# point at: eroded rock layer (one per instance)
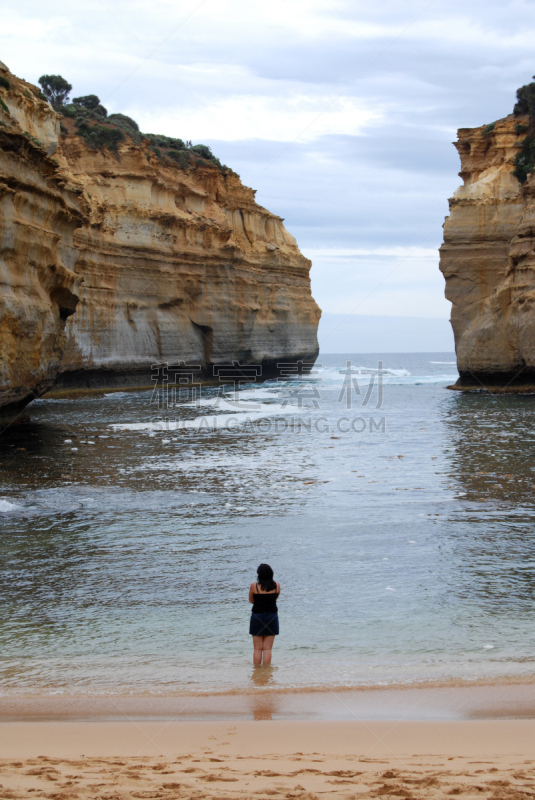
(38, 215)
(488, 261)
(160, 262)
(179, 265)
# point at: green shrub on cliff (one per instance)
(4, 82)
(70, 110)
(525, 104)
(126, 124)
(180, 157)
(525, 159)
(205, 152)
(90, 103)
(158, 140)
(56, 90)
(124, 120)
(98, 136)
(100, 129)
(525, 100)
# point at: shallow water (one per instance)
(404, 546)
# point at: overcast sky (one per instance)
(341, 114)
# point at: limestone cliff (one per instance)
(38, 215)
(159, 260)
(488, 261)
(179, 264)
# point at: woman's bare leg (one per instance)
(258, 646)
(266, 649)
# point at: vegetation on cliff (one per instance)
(525, 104)
(100, 129)
(56, 90)
(158, 263)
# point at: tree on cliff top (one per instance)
(56, 90)
(89, 101)
(87, 105)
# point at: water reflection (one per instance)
(263, 676)
(263, 705)
(491, 538)
(493, 448)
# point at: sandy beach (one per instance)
(438, 742)
(246, 251)
(264, 759)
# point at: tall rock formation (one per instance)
(38, 215)
(488, 261)
(179, 265)
(112, 261)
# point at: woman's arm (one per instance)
(278, 587)
(251, 592)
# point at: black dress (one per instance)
(264, 616)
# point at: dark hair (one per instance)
(265, 578)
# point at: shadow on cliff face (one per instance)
(65, 300)
(205, 336)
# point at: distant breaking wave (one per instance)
(332, 377)
(6, 506)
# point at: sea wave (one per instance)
(333, 377)
(209, 421)
(6, 507)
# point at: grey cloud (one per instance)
(387, 187)
(384, 189)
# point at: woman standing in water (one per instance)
(264, 618)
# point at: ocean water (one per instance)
(398, 517)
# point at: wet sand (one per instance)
(265, 701)
(264, 759)
(434, 741)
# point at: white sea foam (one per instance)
(261, 392)
(360, 370)
(334, 377)
(6, 506)
(442, 362)
(206, 422)
(244, 400)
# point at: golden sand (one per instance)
(265, 759)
